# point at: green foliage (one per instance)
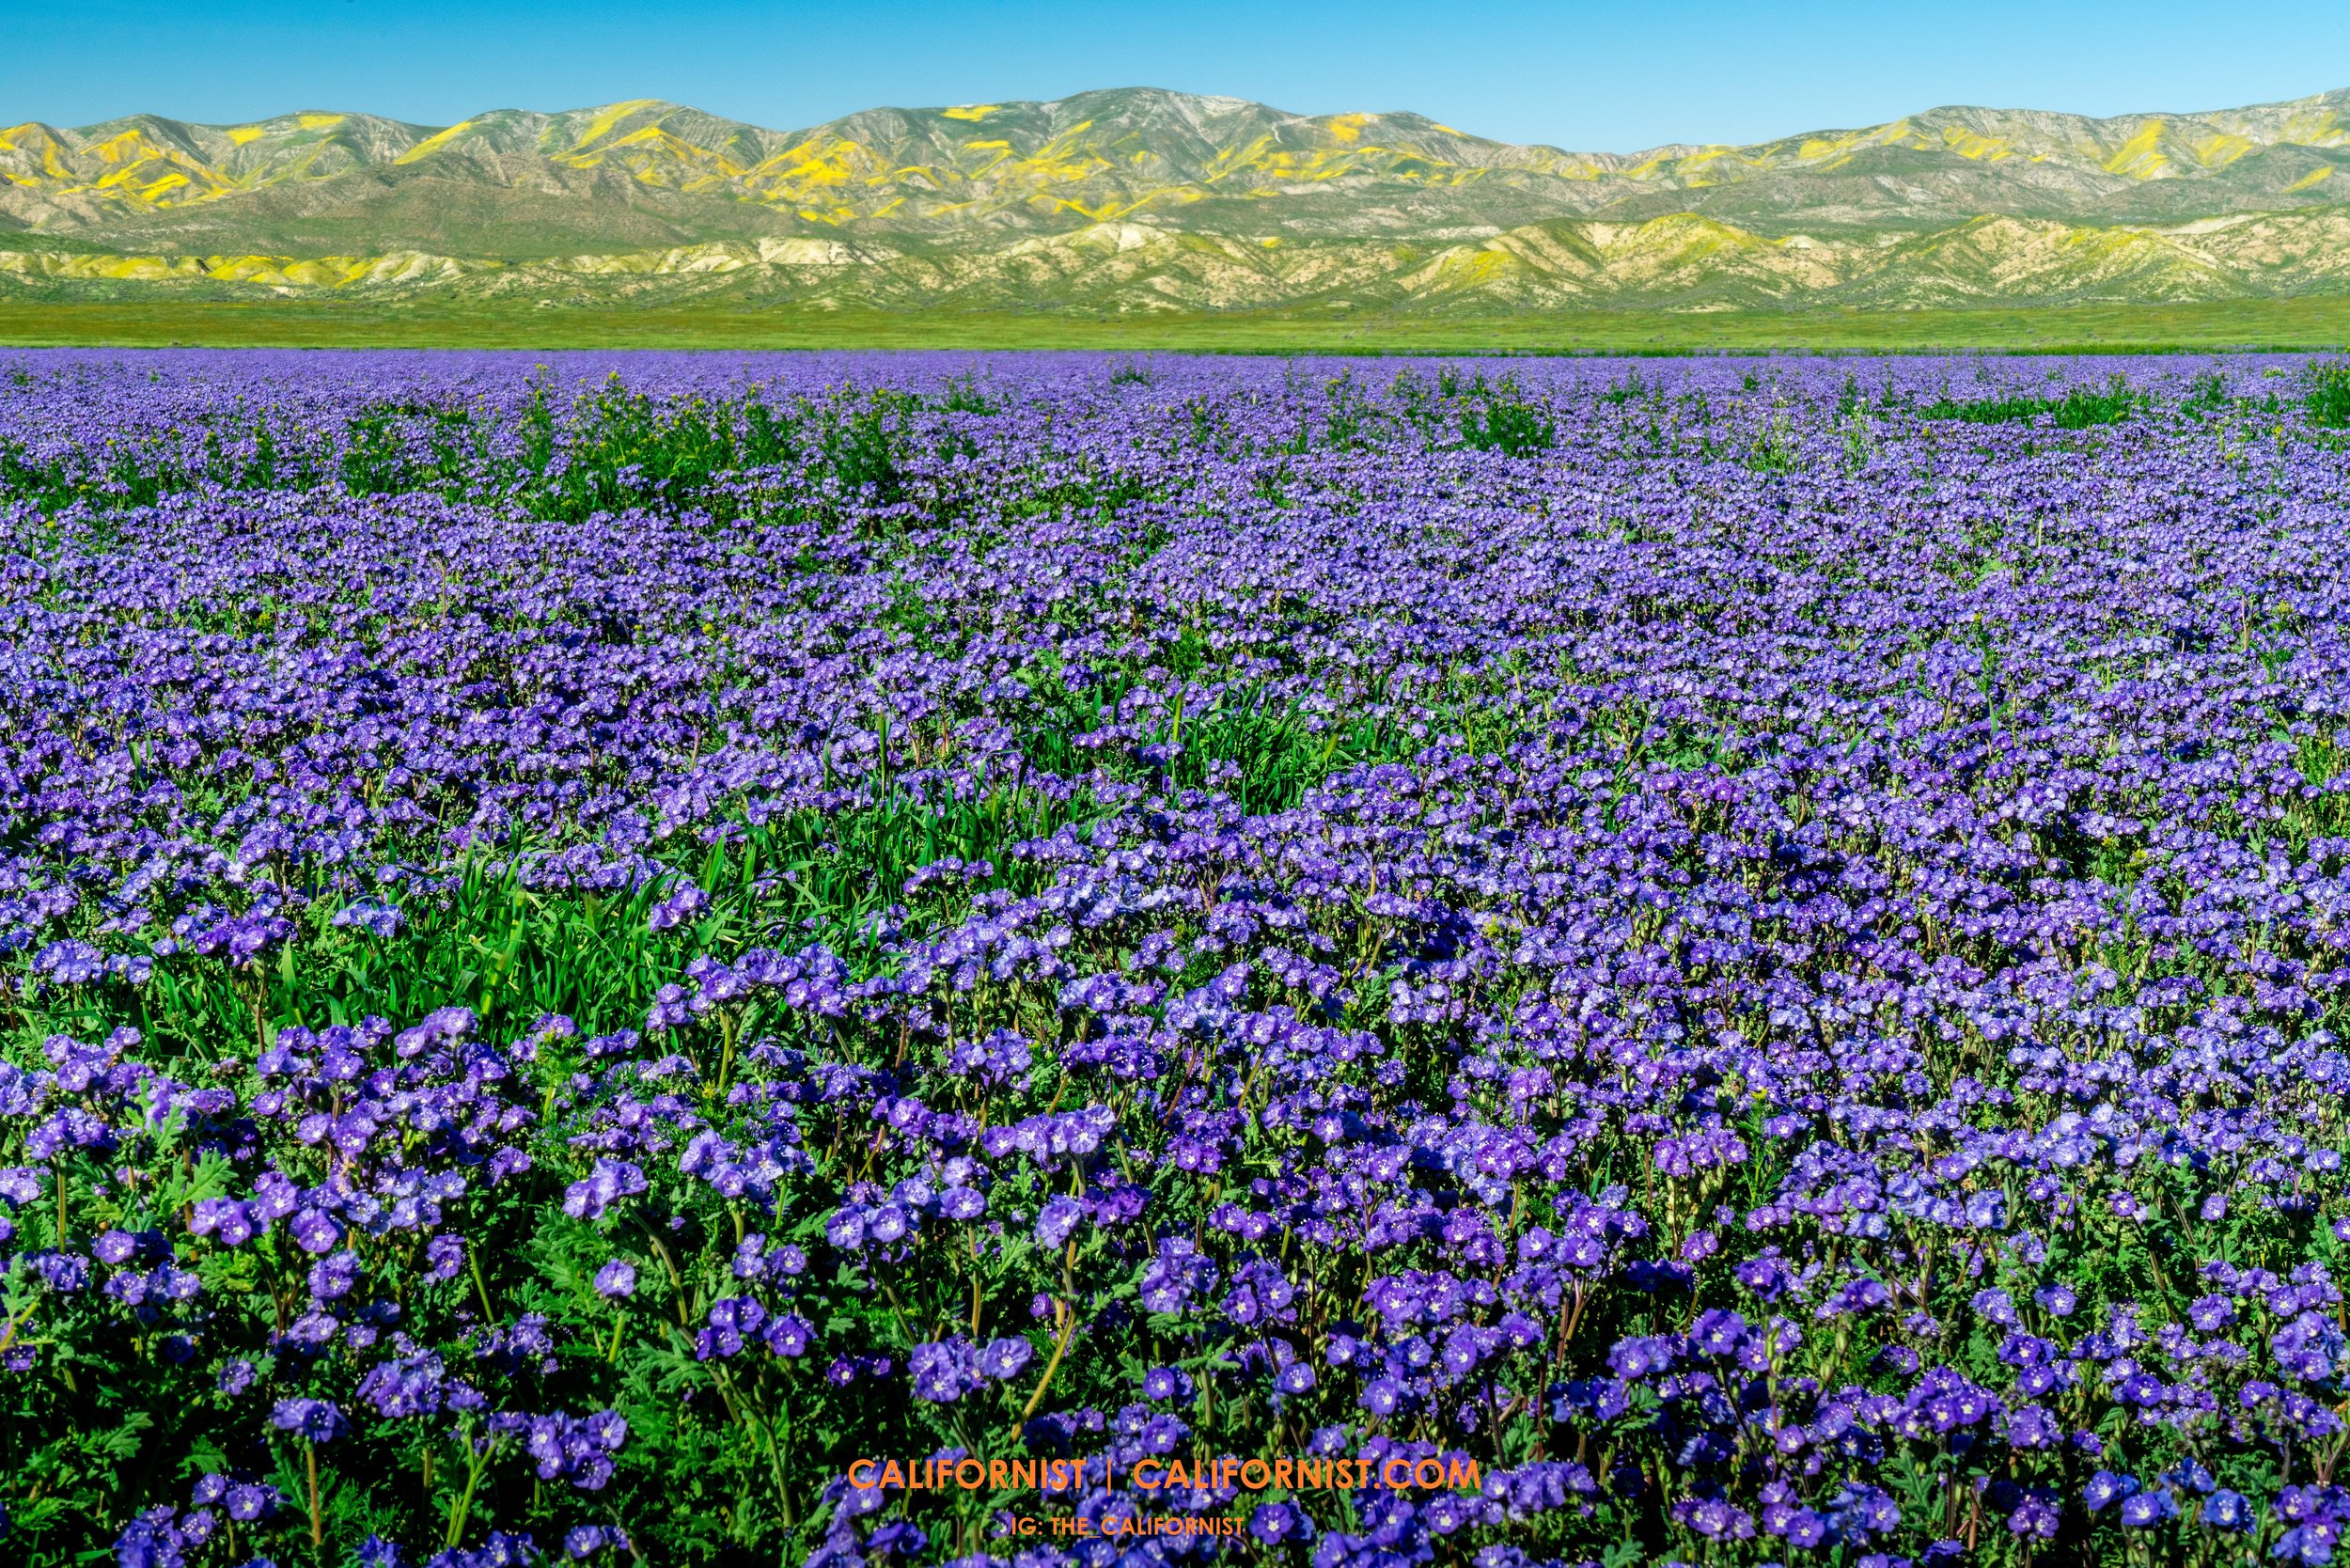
(1776, 445)
(622, 448)
(2327, 398)
(1630, 389)
(2206, 394)
(1351, 419)
(1500, 418)
(393, 448)
(866, 441)
(964, 395)
(2080, 408)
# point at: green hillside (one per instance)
(1119, 203)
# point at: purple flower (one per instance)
(251, 1500)
(229, 1222)
(410, 1386)
(2104, 1487)
(790, 1336)
(150, 1540)
(1002, 1359)
(332, 1277)
(679, 907)
(2226, 1509)
(1987, 1209)
(944, 1372)
(616, 1279)
(377, 919)
(1057, 1220)
(443, 1257)
(1994, 1305)
(1276, 1522)
(731, 1320)
(315, 1232)
(70, 962)
(579, 1449)
(1165, 1383)
(314, 1420)
(585, 1541)
(606, 1183)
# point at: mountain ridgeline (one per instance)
(1140, 199)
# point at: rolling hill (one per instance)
(1140, 199)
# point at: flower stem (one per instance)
(8, 1335)
(474, 1257)
(1068, 1328)
(317, 1525)
(475, 1464)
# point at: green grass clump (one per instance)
(2078, 409)
(2328, 399)
(1497, 420)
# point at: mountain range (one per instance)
(1143, 199)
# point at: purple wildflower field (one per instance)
(1747, 952)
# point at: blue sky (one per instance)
(1616, 78)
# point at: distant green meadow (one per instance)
(2308, 323)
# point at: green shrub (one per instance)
(2328, 399)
